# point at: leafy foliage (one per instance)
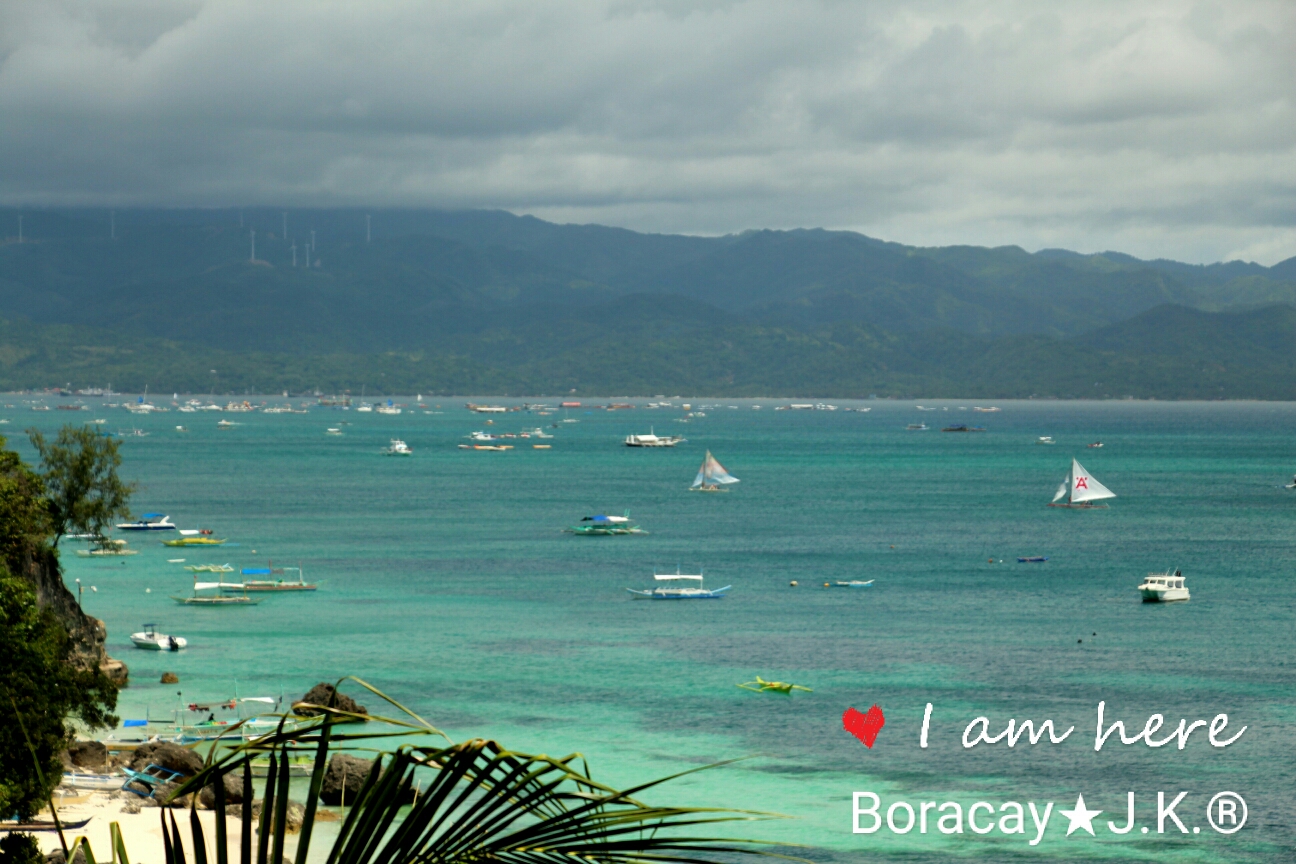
(82, 489)
(473, 802)
(40, 690)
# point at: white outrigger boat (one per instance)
(1081, 490)
(712, 477)
(1164, 587)
(219, 598)
(671, 591)
(653, 440)
(152, 640)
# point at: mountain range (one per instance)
(488, 302)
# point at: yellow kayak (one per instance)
(193, 541)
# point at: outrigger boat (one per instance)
(275, 584)
(712, 476)
(760, 685)
(220, 598)
(605, 526)
(1080, 490)
(209, 568)
(193, 541)
(675, 592)
(653, 440)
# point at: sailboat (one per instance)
(712, 476)
(1080, 489)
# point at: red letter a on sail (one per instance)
(1081, 484)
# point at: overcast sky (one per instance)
(1156, 128)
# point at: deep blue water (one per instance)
(448, 584)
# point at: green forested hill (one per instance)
(484, 301)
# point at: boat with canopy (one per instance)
(712, 476)
(220, 597)
(1081, 490)
(606, 526)
(677, 587)
(272, 584)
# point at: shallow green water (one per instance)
(448, 584)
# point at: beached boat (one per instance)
(676, 587)
(219, 597)
(151, 640)
(194, 541)
(92, 782)
(300, 584)
(397, 447)
(1164, 587)
(653, 440)
(1080, 490)
(605, 526)
(149, 522)
(712, 477)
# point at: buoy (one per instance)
(892, 547)
(825, 584)
(793, 583)
(989, 560)
(148, 590)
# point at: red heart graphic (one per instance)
(865, 727)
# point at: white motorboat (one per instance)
(332, 430)
(149, 522)
(1045, 439)
(653, 440)
(1164, 587)
(389, 408)
(677, 588)
(397, 448)
(1080, 489)
(152, 640)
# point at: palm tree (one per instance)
(473, 801)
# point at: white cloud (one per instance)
(1158, 128)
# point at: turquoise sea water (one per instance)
(448, 583)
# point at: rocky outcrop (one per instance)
(344, 773)
(173, 757)
(170, 678)
(87, 754)
(233, 792)
(295, 816)
(321, 694)
(87, 634)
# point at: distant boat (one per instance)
(917, 427)
(275, 584)
(679, 592)
(1080, 490)
(1164, 587)
(332, 431)
(653, 440)
(389, 408)
(397, 447)
(152, 640)
(1095, 445)
(712, 477)
(1045, 439)
(220, 598)
(852, 584)
(963, 427)
(193, 541)
(606, 526)
(1033, 559)
(105, 548)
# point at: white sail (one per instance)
(1062, 490)
(1086, 488)
(714, 472)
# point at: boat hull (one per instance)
(679, 593)
(1081, 506)
(1164, 595)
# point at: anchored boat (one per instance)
(219, 598)
(149, 522)
(1164, 587)
(1081, 490)
(677, 588)
(275, 584)
(653, 440)
(602, 526)
(152, 640)
(712, 476)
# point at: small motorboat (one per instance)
(1045, 439)
(1095, 445)
(149, 522)
(151, 640)
(332, 430)
(917, 427)
(397, 447)
(854, 583)
(1164, 587)
(1033, 559)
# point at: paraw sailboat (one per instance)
(712, 477)
(1080, 490)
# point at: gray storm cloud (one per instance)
(1162, 129)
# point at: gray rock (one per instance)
(344, 772)
(295, 816)
(171, 756)
(132, 804)
(320, 694)
(233, 792)
(88, 754)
